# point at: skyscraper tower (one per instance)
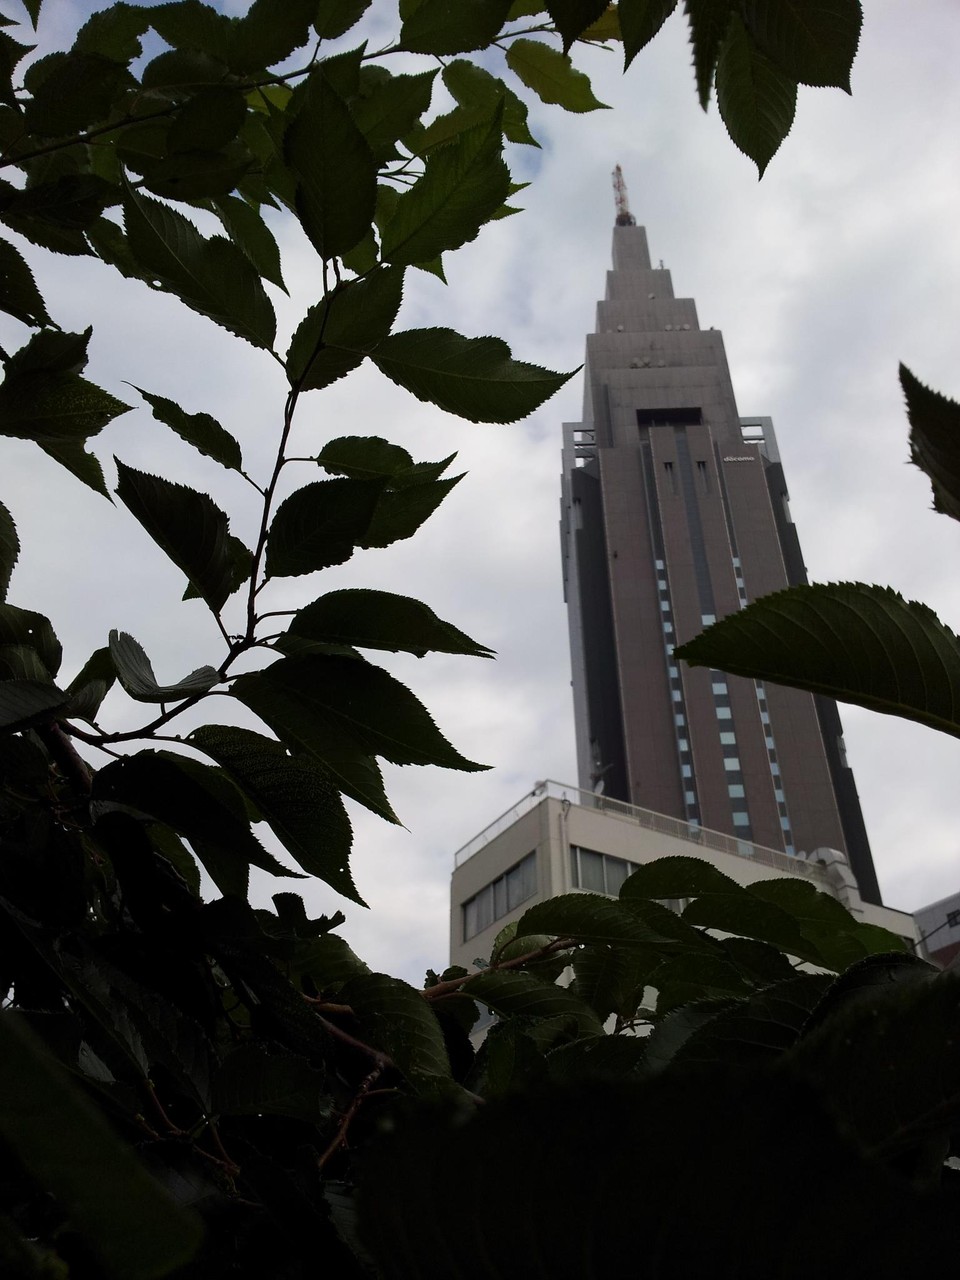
(674, 514)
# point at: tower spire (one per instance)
(624, 217)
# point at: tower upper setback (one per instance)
(674, 513)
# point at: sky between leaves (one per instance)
(841, 262)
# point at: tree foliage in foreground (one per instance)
(203, 1088)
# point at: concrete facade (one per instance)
(674, 513)
(555, 825)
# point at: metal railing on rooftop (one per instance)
(690, 833)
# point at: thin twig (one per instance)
(339, 1137)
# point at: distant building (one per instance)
(674, 514)
(559, 838)
(938, 927)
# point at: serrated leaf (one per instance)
(389, 107)
(399, 513)
(74, 91)
(135, 673)
(364, 458)
(11, 52)
(178, 70)
(328, 961)
(606, 27)
(709, 21)
(114, 32)
(552, 76)
(269, 32)
(587, 917)
(934, 440)
(756, 99)
(19, 295)
(335, 17)
(85, 466)
(572, 17)
(67, 1146)
(294, 795)
(27, 702)
(91, 685)
(210, 276)
(381, 620)
(198, 429)
(343, 712)
(254, 1082)
(248, 231)
(438, 27)
(473, 87)
(188, 526)
(859, 643)
(334, 167)
(9, 549)
(24, 626)
(640, 20)
(55, 408)
(463, 185)
(320, 525)
(208, 120)
(839, 937)
(196, 800)
(50, 351)
(335, 335)
(812, 41)
(395, 1018)
(512, 993)
(475, 378)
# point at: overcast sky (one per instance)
(844, 260)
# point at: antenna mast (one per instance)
(624, 217)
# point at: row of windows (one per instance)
(690, 799)
(499, 897)
(778, 792)
(598, 872)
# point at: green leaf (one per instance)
(269, 32)
(23, 626)
(373, 458)
(474, 378)
(400, 513)
(320, 525)
(248, 231)
(709, 22)
(20, 662)
(343, 712)
(511, 993)
(812, 41)
(198, 429)
(9, 549)
(293, 794)
(71, 1151)
(51, 351)
(208, 120)
(85, 466)
(210, 276)
(572, 17)
(551, 76)
(381, 620)
(196, 800)
(135, 673)
(91, 685)
(859, 643)
(114, 33)
(182, 70)
(19, 295)
(11, 52)
(73, 91)
(587, 917)
(606, 27)
(188, 526)
(756, 99)
(838, 936)
(934, 440)
(55, 408)
(478, 90)
(389, 107)
(438, 27)
(334, 167)
(462, 187)
(27, 702)
(252, 1082)
(335, 17)
(640, 20)
(335, 335)
(395, 1018)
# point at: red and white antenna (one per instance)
(624, 217)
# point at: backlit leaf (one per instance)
(335, 334)
(473, 87)
(436, 26)
(320, 525)
(859, 643)
(24, 626)
(551, 76)
(511, 993)
(399, 513)
(381, 620)
(27, 702)
(934, 440)
(756, 99)
(135, 673)
(572, 17)
(709, 21)
(389, 107)
(55, 408)
(19, 295)
(475, 378)
(812, 41)
(9, 549)
(294, 794)
(210, 276)
(640, 20)
(248, 231)
(335, 17)
(91, 685)
(395, 1018)
(198, 429)
(188, 526)
(252, 1081)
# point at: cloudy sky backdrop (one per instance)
(844, 260)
